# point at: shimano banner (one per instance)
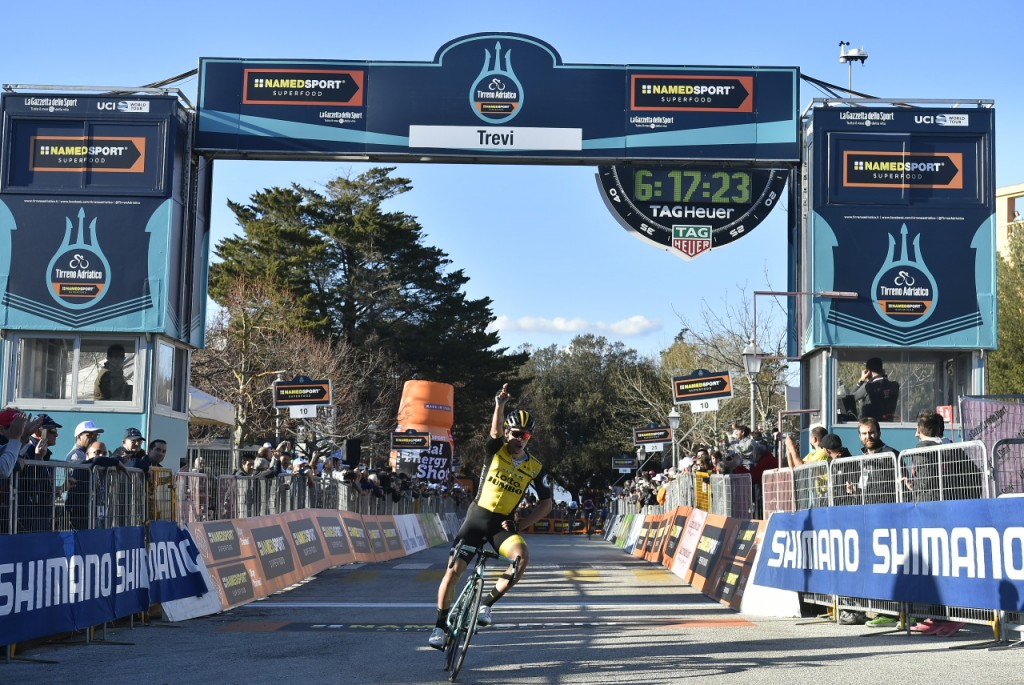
(57, 582)
(964, 553)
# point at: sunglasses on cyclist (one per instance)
(523, 435)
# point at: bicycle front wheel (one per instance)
(467, 623)
(456, 623)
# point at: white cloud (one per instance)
(633, 326)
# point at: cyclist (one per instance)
(492, 514)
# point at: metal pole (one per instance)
(753, 417)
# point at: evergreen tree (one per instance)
(1006, 365)
(363, 275)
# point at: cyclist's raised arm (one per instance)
(498, 420)
(539, 511)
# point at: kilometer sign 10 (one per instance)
(689, 210)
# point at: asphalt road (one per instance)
(586, 613)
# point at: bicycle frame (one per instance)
(462, 615)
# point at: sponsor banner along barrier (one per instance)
(966, 553)
(713, 553)
(52, 583)
(254, 557)
(58, 582)
(688, 544)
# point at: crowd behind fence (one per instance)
(952, 471)
(49, 496)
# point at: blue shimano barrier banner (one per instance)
(173, 568)
(495, 98)
(56, 582)
(963, 553)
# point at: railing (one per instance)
(62, 496)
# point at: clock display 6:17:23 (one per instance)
(691, 185)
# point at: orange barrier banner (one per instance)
(737, 562)
(255, 557)
(641, 538)
(357, 535)
(336, 542)
(655, 538)
(688, 544)
(675, 524)
(384, 529)
(713, 539)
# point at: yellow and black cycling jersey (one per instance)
(503, 483)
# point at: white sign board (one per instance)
(698, 406)
(654, 447)
(302, 411)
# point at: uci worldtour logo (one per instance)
(496, 95)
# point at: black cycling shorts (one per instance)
(481, 527)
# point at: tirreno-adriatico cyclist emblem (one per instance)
(904, 290)
(496, 96)
(79, 273)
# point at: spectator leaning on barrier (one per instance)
(877, 480)
(817, 452)
(131, 446)
(37, 486)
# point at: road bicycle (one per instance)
(462, 616)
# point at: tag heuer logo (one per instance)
(691, 240)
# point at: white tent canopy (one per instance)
(206, 410)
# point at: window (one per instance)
(76, 369)
(925, 379)
(172, 377)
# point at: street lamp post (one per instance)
(752, 364)
(673, 423)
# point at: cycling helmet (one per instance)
(521, 419)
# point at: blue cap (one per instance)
(48, 421)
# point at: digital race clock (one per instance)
(689, 210)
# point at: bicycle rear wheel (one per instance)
(468, 627)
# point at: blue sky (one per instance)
(539, 240)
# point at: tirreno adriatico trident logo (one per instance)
(79, 273)
(496, 96)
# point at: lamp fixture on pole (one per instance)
(752, 364)
(673, 423)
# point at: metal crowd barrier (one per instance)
(946, 472)
(62, 496)
(732, 495)
(777, 486)
(47, 496)
(810, 485)
(864, 479)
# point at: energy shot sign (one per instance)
(902, 213)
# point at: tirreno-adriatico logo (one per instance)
(496, 95)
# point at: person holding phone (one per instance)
(16, 427)
(38, 486)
